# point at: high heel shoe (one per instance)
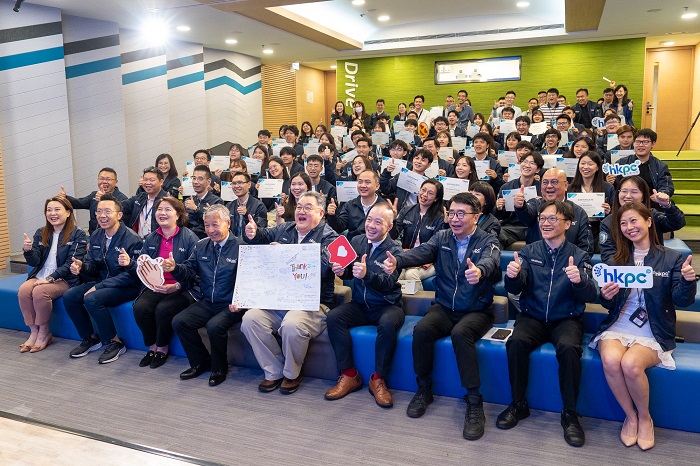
(647, 444)
(627, 440)
(47, 341)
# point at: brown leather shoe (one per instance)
(269, 385)
(290, 386)
(377, 387)
(344, 386)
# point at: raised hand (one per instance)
(609, 290)
(391, 166)
(190, 205)
(513, 269)
(519, 198)
(27, 244)
(687, 270)
(279, 209)
(251, 229)
(62, 192)
(332, 207)
(661, 198)
(148, 271)
(169, 263)
(99, 194)
(500, 203)
(389, 264)
(446, 217)
(359, 269)
(76, 266)
(473, 273)
(572, 272)
(124, 258)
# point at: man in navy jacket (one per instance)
(353, 213)
(202, 199)
(554, 277)
(138, 210)
(467, 265)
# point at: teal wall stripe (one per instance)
(226, 81)
(186, 79)
(30, 58)
(92, 67)
(142, 75)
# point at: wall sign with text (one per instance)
(481, 70)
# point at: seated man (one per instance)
(444, 167)
(282, 366)
(203, 198)
(106, 183)
(549, 141)
(291, 135)
(652, 170)
(106, 283)
(353, 213)
(467, 265)
(138, 210)
(210, 272)
(245, 204)
(554, 277)
(289, 159)
(389, 182)
(376, 300)
(612, 122)
(314, 167)
(203, 157)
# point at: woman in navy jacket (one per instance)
(640, 329)
(50, 254)
(155, 308)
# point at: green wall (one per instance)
(567, 67)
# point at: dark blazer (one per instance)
(74, 247)
(89, 202)
(101, 263)
(196, 223)
(133, 206)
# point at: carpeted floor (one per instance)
(235, 424)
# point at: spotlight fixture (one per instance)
(358, 2)
(522, 4)
(268, 51)
(384, 18)
(667, 43)
(18, 5)
(231, 41)
(183, 28)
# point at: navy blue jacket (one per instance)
(547, 293)
(489, 224)
(74, 247)
(171, 186)
(89, 202)
(579, 233)
(286, 233)
(407, 222)
(133, 206)
(253, 207)
(660, 175)
(377, 289)
(497, 182)
(327, 189)
(196, 223)
(351, 216)
(388, 185)
(510, 218)
(452, 289)
(670, 290)
(585, 115)
(102, 266)
(216, 278)
(183, 244)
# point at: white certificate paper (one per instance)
(339, 131)
(453, 186)
(446, 153)
(509, 196)
(481, 167)
(507, 127)
(379, 138)
(538, 128)
(616, 155)
(187, 189)
(613, 141)
(399, 164)
(219, 162)
(254, 165)
(592, 203)
(473, 129)
(410, 181)
(406, 136)
(349, 156)
(279, 277)
(399, 126)
(550, 160)
(505, 158)
(270, 188)
(276, 148)
(227, 191)
(459, 143)
(346, 190)
(432, 170)
(311, 148)
(568, 165)
(514, 171)
(347, 142)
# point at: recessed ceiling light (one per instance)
(154, 10)
(268, 51)
(183, 28)
(522, 4)
(384, 18)
(667, 43)
(358, 2)
(231, 41)
(689, 15)
(333, 67)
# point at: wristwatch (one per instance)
(177, 286)
(50, 279)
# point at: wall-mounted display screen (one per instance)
(480, 70)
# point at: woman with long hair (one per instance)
(579, 147)
(50, 254)
(360, 112)
(171, 181)
(276, 170)
(306, 132)
(401, 115)
(622, 104)
(339, 112)
(299, 183)
(487, 198)
(465, 169)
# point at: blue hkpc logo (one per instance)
(624, 276)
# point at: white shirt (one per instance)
(145, 219)
(50, 265)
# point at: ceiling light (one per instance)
(333, 67)
(689, 15)
(183, 28)
(358, 2)
(384, 18)
(231, 41)
(522, 4)
(667, 43)
(155, 32)
(268, 51)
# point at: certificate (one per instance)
(254, 165)
(276, 148)
(406, 136)
(453, 186)
(612, 141)
(514, 171)
(459, 143)
(507, 127)
(410, 181)
(481, 167)
(227, 191)
(437, 111)
(399, 126)
(347, 141)
(525, 137)
(550, 160)
(346, 190)
(472, 130)
(349, 156)
(379, 138)
(616, 155)
(269, 188)
(470, 151)
(189, 168)
(564, 138)
(538, 128)
(432, 170)
(446, 153)
(592, 203)
(278, 141)
(187, 189)
(530, 192)
(219, 162)
(339, 131)
(278, 276)
(399, 164)
(570, 166)
(505, 157)
(311, 148)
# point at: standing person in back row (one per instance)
(651, 169)
(138, 210)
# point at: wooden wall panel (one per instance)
(4, 226)
(278, 97)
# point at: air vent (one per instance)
(465, 34)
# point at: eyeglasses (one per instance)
(642, 142)
(396, 149)
(107, 212)
(460, 214)
(548, 182)
(308, 208)
(105, 180)
(631, 192)
(552, 219)
(238, 183)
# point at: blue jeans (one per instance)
(81, 308)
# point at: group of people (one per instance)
(397, 233)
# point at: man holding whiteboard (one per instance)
(282, 365)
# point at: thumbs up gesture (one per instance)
(359, 269)
(519, 198)
(473, 273)
(687, 270)
(279, 209)
(169, 263)
(389, 264)
(27, 244)
(76, 266)
(332, 207)
(251, 229)
(395, 206)
(62, 192)
(660, 198)
(124, 258)
(513, 269)
(572, 271)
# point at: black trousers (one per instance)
(464, 328)
(511, 233)
(530, 333)
(154, 314)
(387, 319)
(217, 319)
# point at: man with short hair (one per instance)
(553, 278)
(379, 114)
(466, 261)
(203, 157)
(541, 98)
(509, 103)
(289, 159)
(353, 213)
(652, 170)
(608, 97)
(453, 125)
(106, 183)
(314, 167)
(444, 167)
(449, 102)
(464, 111)
(245, 204)
(563, 125)
(532, 104)
(138, 210)
(585, 109)
(612, 122)
(552, 108)
(291, 135)
(550, 142)
(203, 198)
(376, 300)
(282, 365)
(422, 115)
(389, 182)
(575, 128)
(263, 141)
(106, 283)
(211, 272)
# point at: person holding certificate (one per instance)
(445, 168)
(289, 159)
(171, 181)
(467, 266)
(376, 301)
(639, 330)
(352, 215)
(389, 183)
(465, 169)
(282, 365)
(276, 170)
(487, 198)
(245, 204)
(202, 199)
(483, 144)
(651, 169)
(299, 183)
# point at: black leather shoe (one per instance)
(217, 377)
(196, 371)
(159, 359)
(515, 412)
(146, 360)
(420, 402)
(573, 432)
(474, 419)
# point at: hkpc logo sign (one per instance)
(624, 170)
(625, 276)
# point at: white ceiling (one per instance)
(409, 18)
